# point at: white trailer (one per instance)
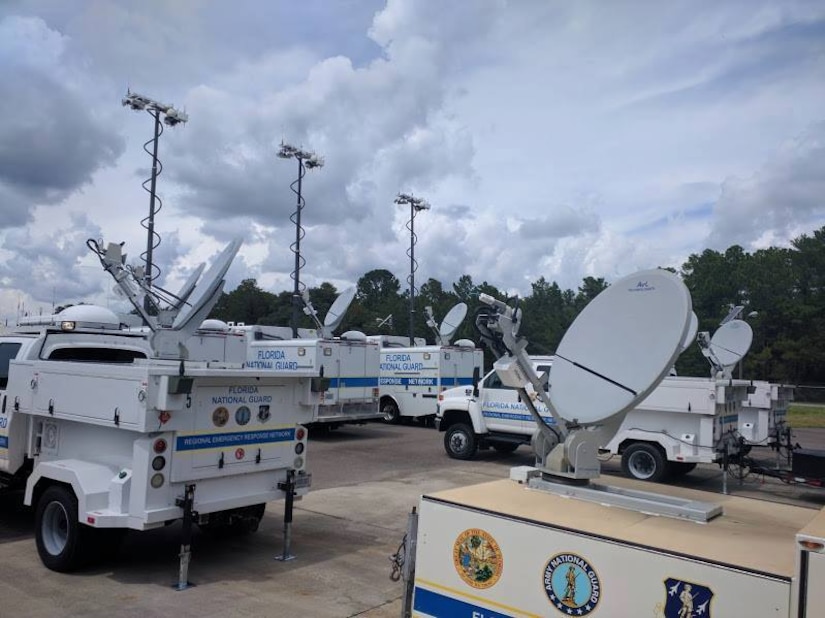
(764, 413)
(345, 388)
(501, 549)
(551, 542)
(411, 378)
(103, 438)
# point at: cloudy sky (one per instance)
(552, 138)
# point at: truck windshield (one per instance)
(8, 351)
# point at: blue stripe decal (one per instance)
(731, 418)
(387, 381)
(509, 416)
(353, 382)
(440, 606)
(236, 438)
(4, 442)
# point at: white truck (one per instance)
(551, 542)
(411, 379)
(684, 421)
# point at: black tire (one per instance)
(681, 468)
(62, 541)
(505, 447)
(391, 413)
(460, 441)
(645, 462)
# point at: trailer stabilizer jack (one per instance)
(187, 503)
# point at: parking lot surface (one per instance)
(366, 479)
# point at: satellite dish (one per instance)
(692, 330)
(451, 322)
(189, 286)
(335, 315)
(620, 347)
(731, 342)
(205, 291)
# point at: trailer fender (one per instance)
(89, 481)
(670, 445)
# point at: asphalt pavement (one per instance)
(366, 479)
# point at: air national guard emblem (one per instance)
(477, 558)
(571, 584)
(686, 599)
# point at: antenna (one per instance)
(174, 324)
(728, 346)
(450, 323)
(614, 354)
(336, 312)
(417, 204)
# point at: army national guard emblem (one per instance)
(686, 599)
(572, 584)
(477, 558)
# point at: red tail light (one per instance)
(159, 446)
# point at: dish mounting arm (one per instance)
(568, 450)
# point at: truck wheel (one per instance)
(645, 462)
(61, 539)
(505, 447)
(460, 441)
(391, 413)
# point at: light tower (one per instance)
(171, 117)
(306, 160)
(417, 204)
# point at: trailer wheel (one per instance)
(460, 441)
(645, 462)
(390, 412)
(61, 539)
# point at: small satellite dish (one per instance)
(336, 312)
(692, 330)
(731, 342)
(189, 286)
(451, 322)
(211, 283)
(620, 347)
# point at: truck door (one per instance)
(501, 406)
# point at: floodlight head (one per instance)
(174, 117)
(314, 161)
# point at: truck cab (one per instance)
(488, 414)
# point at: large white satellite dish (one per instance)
(620, 347)
(731, 342)
(336, 312)
(451, 322)
(692, 330)
(206, 289)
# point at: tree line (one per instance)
(782, 291)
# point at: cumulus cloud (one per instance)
(784, 198)
(553, 139)
(50, 142)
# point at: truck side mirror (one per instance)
(476, 378)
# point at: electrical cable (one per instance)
(295, 217)
(156, 204)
